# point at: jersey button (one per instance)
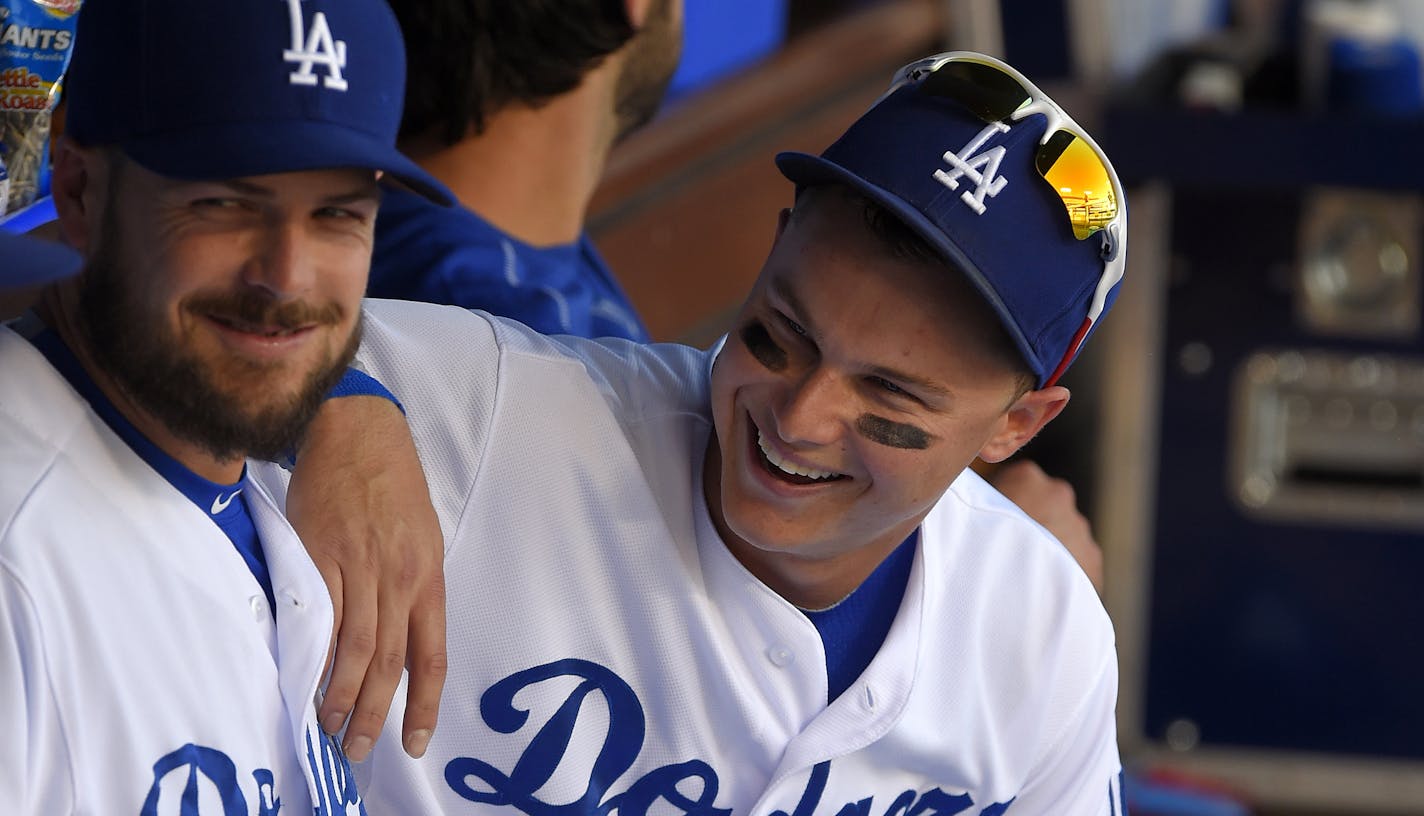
(259, 608)
(780, 656)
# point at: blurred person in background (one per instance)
(515, 107)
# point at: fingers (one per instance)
(355, 646)
(397, 606)
(365, 511)
(382, 675)
(427, 664)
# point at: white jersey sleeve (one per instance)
(451, 365)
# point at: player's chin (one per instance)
(270, 389)
(767, 531)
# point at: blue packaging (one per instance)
(36, 39)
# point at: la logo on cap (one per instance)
(312, 48)
(982, 169)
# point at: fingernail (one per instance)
(359, 749)
(333, 722)
(416, 742)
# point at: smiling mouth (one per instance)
(258, 329)
(788, 471)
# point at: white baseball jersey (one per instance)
(141, 670)
(608, 653)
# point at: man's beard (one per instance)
(148, 363)
(649, 67)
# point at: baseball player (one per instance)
(515, 106)
(762, 580)
(162, 631)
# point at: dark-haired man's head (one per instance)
(469, 59)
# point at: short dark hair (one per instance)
(904, 243)
(467, 59)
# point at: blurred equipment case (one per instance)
(1265, 544)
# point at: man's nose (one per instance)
(812, 410)
(282, 263)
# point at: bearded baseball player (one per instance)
(761, 579)
(162, 630)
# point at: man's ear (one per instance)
(1023, 420)
(76, 185)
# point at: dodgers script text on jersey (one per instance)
(614, 657)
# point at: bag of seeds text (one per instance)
(36, 39)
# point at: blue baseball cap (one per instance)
(218, 90)
(26, 262)
(971, 189)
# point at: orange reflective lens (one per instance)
(1075, 169)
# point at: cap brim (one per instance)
(32, 262)
(232, 150)
(804, 169)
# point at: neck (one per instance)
(810, 581)
(59, 309)
(532, 171)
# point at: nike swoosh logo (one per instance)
(220, 504)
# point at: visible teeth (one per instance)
(786, 466)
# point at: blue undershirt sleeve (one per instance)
(356, 383)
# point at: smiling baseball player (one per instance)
(162, 629)
(763, 580)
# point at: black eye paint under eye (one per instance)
(758, 341)
(892, 434)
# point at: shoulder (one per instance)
(1030, 635)
(984, 527)
(1017, 591)
(642, 376)
(39, 417)
(983, 538)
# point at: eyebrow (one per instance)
(924, 386)
(784, 290)
(247, 188)
(371, 192)
(366, 192)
